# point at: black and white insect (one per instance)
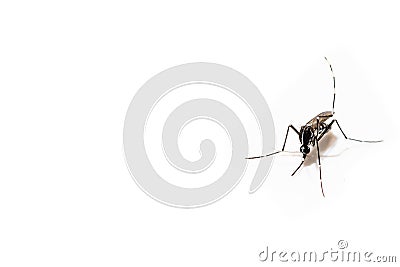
(313, 131)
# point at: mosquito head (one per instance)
(305, 150)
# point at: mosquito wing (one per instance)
(322, 117)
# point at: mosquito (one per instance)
(313, 131)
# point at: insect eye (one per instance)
(304, 149)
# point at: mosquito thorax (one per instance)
(306, 135)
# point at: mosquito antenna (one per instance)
(334, 86)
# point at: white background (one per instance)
(68, 71)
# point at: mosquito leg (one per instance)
(319, 162)
(263, 156)
(334, 86)
(287, 133)
(340, 128)
(284, 143)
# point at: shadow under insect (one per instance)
(325, 143)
